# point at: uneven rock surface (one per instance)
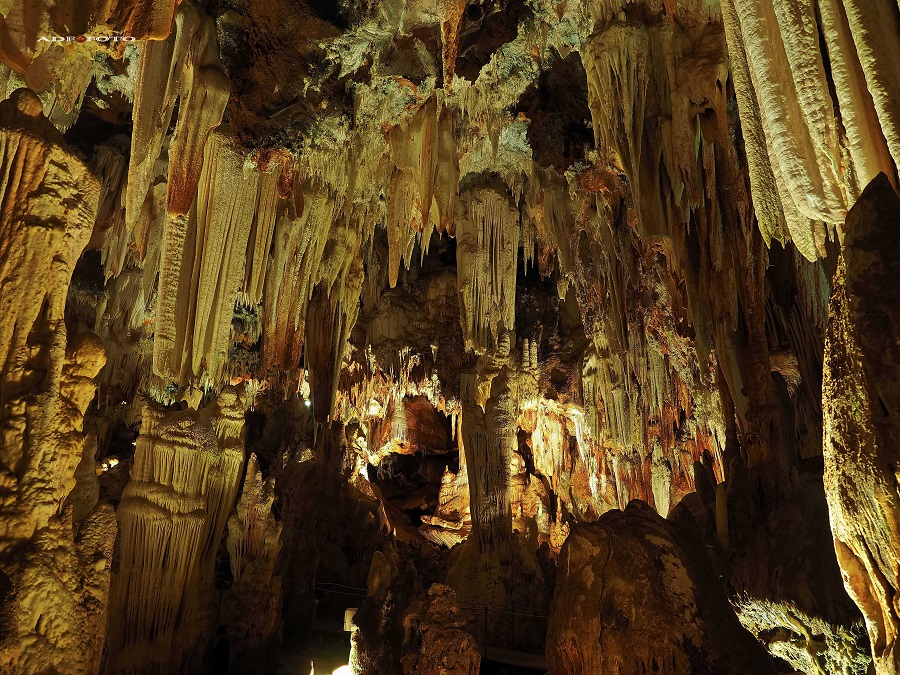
(861, 432)
(56, 575)
(631, 597)
(435, 638)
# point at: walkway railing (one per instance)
(332, 599)
(487, 616)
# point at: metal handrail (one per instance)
(476, 605)
(325, 584)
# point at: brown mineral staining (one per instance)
(265, 158)
(453, 14)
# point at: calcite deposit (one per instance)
(495, 332)
(860, 411)
(632, 597)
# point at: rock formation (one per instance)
(435, 640)
(632, 597)
(253, 545)
(451, 300)
(860, 406)
(56, 574)
(183, 484)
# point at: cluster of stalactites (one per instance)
(487, 249)
(424, 174)
(204, 257)
(822, 122)
(184, 66)
(656, 92)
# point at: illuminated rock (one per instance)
(860, 401)
(631, 596)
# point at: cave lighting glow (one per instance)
(342, 670)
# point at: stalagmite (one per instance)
(488, 436)
(435, 639)
(253, 546)
(172, 518)
(633, 597)
(860, 412)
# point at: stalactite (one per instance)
(446, 183)
(110, 165)
(162, 66)
(874, 30)
(864, 139)
(59, 76)
(766, 198)
(788, 76)
(618, 65)
(414, 154)
(316, 255)
(820, 162)
(202, 268)
(203, 91)
(453, 15)
(265, 215)
(487, 250)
